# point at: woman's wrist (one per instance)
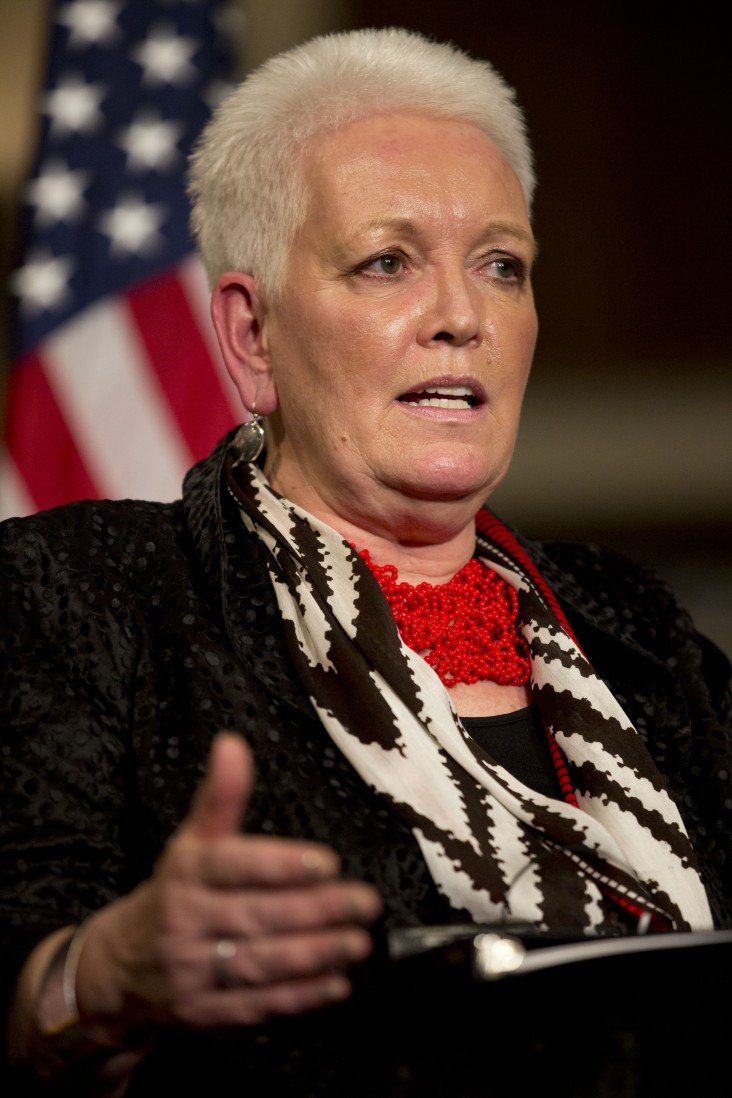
(66, 1048)
(57, 1012)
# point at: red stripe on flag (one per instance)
(39, 441)
(179, 354)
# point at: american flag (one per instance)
(116, 384)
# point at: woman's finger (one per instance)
(251, 1006)
(258, 962)
(253, 913)
(228, 962)
(244, 861)
(221, 799)
(209, 845)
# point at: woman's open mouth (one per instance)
(453, 397)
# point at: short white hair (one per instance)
(246, 187)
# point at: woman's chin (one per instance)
(447, 481)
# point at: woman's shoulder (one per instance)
(629, 600)
(597, 571)
(87, 546)
(83, 515)
(101, 524)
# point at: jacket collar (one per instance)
(236, 578)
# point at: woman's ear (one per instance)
(238, 313)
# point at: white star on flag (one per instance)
(132, 225)
(150, 143)
(112, 336)
(73, 106)
(43, 282)
(165, 57)
(91, 21)
(57, 193)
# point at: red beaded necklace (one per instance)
(466, 629)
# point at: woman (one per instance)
(446, 724)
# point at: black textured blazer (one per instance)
(133, 631)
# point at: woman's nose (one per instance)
(452, 311)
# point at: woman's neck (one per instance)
(431, 562)
(425, 540)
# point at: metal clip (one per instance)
(495, 955)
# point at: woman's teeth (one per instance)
(442, 396)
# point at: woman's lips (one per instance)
(454, 397)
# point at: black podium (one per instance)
(497, 1013)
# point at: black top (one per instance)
(517, 741)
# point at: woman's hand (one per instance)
(230, 929)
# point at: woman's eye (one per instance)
(507, 269)
(384, 265)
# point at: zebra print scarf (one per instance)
(499, 851)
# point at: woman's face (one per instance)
(401, 345)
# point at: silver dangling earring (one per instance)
(248, 441)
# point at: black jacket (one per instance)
(133, 631)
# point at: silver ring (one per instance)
(224, 952)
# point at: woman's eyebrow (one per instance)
(406, 227)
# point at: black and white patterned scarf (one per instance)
(496, 849)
